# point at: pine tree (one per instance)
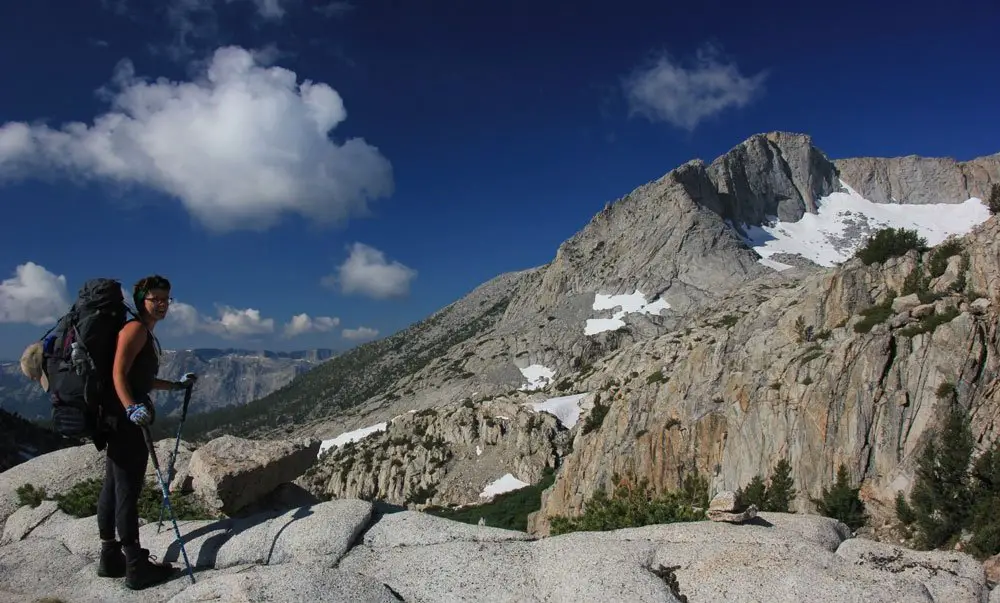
(942, 498)
(994, 200)
(842, 502)
(781, 491)
(755, 493)
(985, 541)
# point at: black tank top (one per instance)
(145, 367)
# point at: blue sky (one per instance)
(437, 145)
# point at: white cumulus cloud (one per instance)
(33, 295)
(183, 319)
(685, 95)
(231, 323)
(366, 271)
(239, 146)
(303, 323)
(234, 323)
(359, 334)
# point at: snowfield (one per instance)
(538, 376)
(844, 219)
(507, 483)
(565, 408)
(351, 436)
(629, 304)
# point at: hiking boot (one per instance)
(140, 572)
(112, 561)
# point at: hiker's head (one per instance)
(152, 297)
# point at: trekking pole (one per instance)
(177, 443)
(166, 498)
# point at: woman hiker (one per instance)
(135, 367)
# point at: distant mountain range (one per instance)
(226, 377)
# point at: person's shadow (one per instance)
(224, 530)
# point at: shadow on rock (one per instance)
(225, 530)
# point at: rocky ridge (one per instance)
(920, 180)
(442, 456)
(235, 377)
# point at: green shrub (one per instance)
(81, 501)
(729, 320)
(904, 511)
(945, 390)
(781, 491)
(913, 283)
(929, 323)
(890, 242)
(633, 505)
(655, 377)
(802, 334)
(940, 496)
(27, 494)
(938, 262)
(874, 315)
(841, 502)
(960, 282)
(596, 416)
(928, 297)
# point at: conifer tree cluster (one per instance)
(775, 496)
(954, 498)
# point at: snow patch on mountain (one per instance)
(844, 219)
(351, 436)
(507, 483)
(628, 302)
(565, 408)
(538, 376)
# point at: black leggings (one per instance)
(125, 472)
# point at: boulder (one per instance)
(922, 311)
(230, 473)
(992, 568)
(905, 303)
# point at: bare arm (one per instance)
(130, 341)
(164, 384)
